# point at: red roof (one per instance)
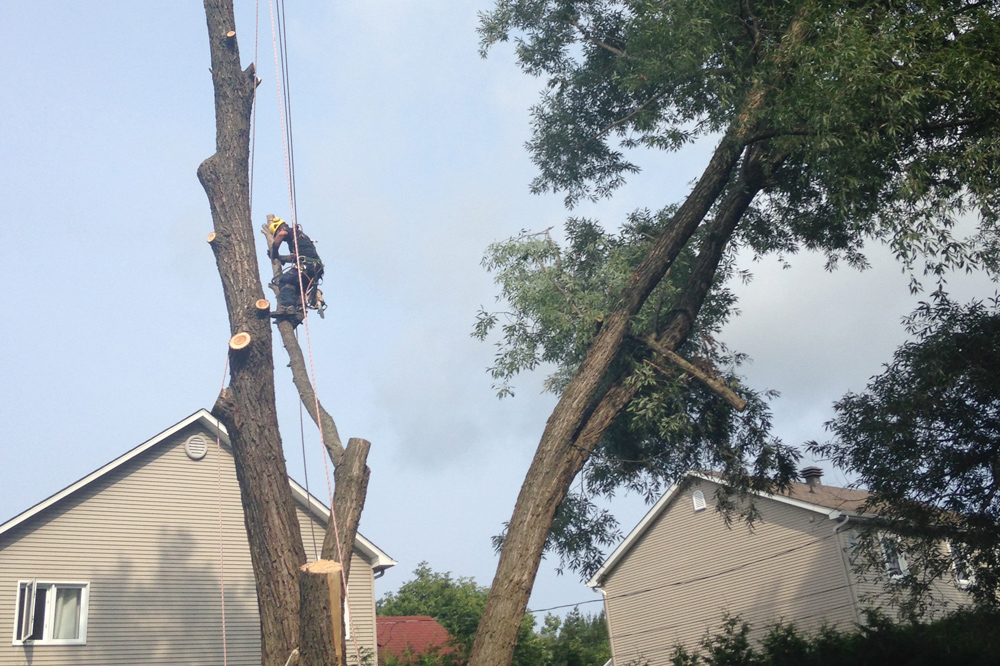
(410, 636)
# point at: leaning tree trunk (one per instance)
(247, 407)
(584, 413)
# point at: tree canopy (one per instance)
(924, 437)
(834, 123)
(457, 603)
(864, 121)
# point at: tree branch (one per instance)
(724, 392)
(642, 107)
(594, 40)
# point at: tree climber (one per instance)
(306, 262)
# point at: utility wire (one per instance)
(696, 579)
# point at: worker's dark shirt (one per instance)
(306, 247)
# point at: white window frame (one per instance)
(50, 612)
(900, 556)
(961, 583)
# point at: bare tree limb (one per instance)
(724, 391)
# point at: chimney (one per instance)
(812, 476)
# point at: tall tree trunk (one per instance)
(247, 408)
(580, 419)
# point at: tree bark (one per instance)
(583, 414)
(322, 602)
(247, 408)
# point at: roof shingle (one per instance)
(409, 636)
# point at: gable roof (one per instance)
(376, 556)
(829, 501)
(416, 634)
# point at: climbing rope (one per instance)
(278, 33)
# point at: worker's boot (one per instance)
(288, 312)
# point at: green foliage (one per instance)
(457, 603)
(863, 101)
(577, 640)
(870, 121)
(433, 656)
(924, 437)
(557, 300)
(964, 638)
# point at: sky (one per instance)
(410, 160)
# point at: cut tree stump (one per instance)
(211, 237)
(263, 305)
(239, 341)
(320, 589)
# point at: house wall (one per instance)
(869, 589)
(146, 536)
(689, 568)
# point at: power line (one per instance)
(697, 579)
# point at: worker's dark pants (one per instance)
(288, 284)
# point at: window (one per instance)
(892, 551)
(51, 613)
(960, 565)
(698, 498)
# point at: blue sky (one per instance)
(410, 161)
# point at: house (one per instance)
(131, 563)
(405, 638)
(681, 568)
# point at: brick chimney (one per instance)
(812, 476)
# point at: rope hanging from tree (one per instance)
(280, 46)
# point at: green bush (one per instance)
(965, 638)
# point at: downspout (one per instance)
(607, 619)
(842, 520)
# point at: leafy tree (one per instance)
(576, 640)
(924, 437)
(457, 603)
(962, 638)
(835, 123)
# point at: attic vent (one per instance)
(196, 447)
(698, 498)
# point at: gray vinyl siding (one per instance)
(146, 536)
(688, 569)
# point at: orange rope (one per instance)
(305, 317)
